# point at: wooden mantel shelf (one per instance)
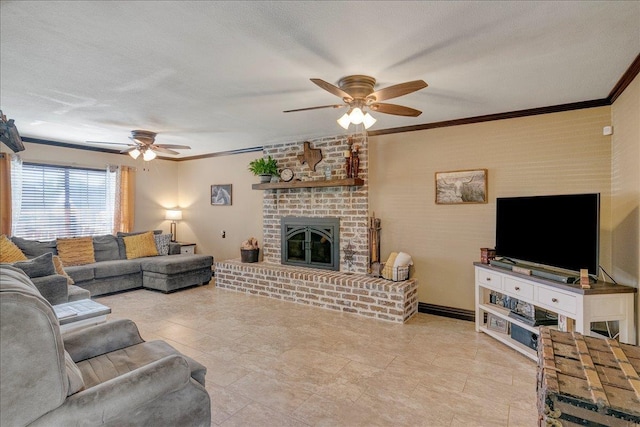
(348, 182)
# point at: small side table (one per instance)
(187, 248)
(79, 314)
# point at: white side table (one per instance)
(79, 314)
(187, 248)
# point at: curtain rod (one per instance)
(73, 165)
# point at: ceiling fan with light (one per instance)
(144, 143)
(357, 93)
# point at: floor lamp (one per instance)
(173, 215)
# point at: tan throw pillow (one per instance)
(387, 271)
(75, 251)
(60, 269)
(140, 245)
(9, 252)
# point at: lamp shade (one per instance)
(356, 116)
(173, 215)
(344, 121)
(134, 153)
(368, 121)
(149, 155)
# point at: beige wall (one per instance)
(625, 185)
(156, 181)
(546, 154)
(203, 222)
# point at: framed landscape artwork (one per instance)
(461, 187)
(221, 195)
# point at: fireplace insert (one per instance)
(311, 242)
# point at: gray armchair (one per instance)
(102, 375)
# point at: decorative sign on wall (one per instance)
(310, 156)
(458, 187)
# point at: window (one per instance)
(60, 201)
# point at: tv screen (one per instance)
(559, 231)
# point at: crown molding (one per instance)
(498, 116)
(625, 80)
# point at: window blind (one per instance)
(60, 201)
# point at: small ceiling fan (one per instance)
(144, 143)
(357, 93)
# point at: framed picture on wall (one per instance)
(221, 195)
(461, 187)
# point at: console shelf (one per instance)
(347, 182)
(602, 302)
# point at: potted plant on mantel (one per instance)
(264, 168)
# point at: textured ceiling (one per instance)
(217, 75)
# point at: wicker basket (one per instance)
(400, 274)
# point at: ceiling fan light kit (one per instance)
(357, 93)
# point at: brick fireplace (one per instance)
(350, 204)
(346, 290)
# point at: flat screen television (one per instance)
(561, 231)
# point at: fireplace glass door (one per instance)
(311, 242)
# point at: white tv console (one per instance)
(602, 302)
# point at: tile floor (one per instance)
(273, 363)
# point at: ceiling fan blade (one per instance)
(178, 147)
(316, 108)
(333, 89)
(397, 110)
(397, 90)
(107, 143)
(163, 150)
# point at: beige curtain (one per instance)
(125, 206)
(5, 194)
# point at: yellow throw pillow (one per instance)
(75, 251)
(140, 245)
(9, 252)
(57, 263)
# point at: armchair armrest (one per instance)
(105, 402)
(100, 339)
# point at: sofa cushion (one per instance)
(53, 288)
(57, 263)
(105, 248)
(176, 264)
(76, 293)
(141, 245)
(9, 251)
(37, 267)
(81, 273)
(119, 267)
(76, 251)
(33, 248)
(99, 369)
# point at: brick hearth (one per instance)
(348, 293)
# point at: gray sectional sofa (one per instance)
(113, 272)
